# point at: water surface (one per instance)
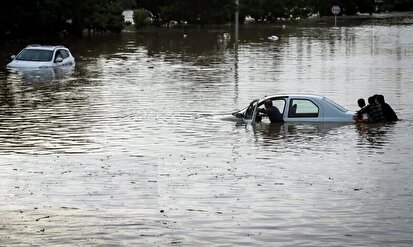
(127, 149)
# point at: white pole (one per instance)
(236, 79)
(236, 21)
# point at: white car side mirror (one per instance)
(13, 57)
(58, 60)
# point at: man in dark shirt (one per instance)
(388, 112)
(272, 112)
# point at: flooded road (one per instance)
(128, 149)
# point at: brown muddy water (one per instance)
(127, 149)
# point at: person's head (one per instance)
(371, 100)
(268, 103)
(375, 97)
(380, 99)
(361, 103)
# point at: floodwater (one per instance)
(127, 149)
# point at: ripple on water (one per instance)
(127, 149)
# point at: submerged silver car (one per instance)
(296, 108)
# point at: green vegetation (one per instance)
(222, 11)
(141, 18)
(34, 18)
(190, 11)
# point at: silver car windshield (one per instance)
(35, 55)
(337, 106)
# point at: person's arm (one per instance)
(262, 110)
(362, 111)
(358, 115)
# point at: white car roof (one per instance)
(45, 47)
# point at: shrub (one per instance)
(141, 18)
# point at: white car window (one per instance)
(302, 108)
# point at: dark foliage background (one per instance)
(28, 18)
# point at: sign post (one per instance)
(335, 9)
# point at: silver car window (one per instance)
(35, 55)
(64, 53)
(279, 103)
(302, 108)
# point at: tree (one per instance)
(191, 11)
(399, 5)
(366, 6)
(253, 8)
(26, 18)
(154, 7)
(141, 18)
(127, 4)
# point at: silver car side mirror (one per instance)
(13, 57)
(58, 60)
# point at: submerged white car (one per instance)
(41, 56)
(296, 108)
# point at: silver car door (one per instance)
(251, 112)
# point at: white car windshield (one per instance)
(35, 55)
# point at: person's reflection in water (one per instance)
(274, 129)
(376, 135)
(269, 133)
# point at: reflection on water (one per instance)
(125, 149)
(39, 76)
(375, 135)
(297, 130)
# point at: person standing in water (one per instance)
(373, 110)
(388, 112)
(272, 112)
